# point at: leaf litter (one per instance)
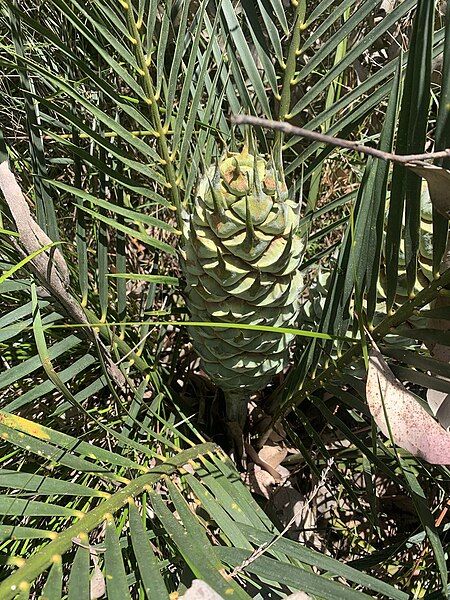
(400, 416)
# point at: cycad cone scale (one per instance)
(241, 255)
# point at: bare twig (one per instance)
(264, 547)
(403, 159)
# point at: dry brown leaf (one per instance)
(289, 505)
(439, 351)
(251, 452)
(412, 428)
(272, 455)
(438, 180)
(388, 6)
(259, 481)
(200, 590)
(97, 583)
(189, 469)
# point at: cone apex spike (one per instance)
(256, 178)
(218, 201)
(250, 237)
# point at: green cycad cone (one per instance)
(240, 258)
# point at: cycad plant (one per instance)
(118, 158)
(241, 261)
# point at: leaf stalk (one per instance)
(289, 76)
(160, 129)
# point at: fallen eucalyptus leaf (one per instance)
(97, 583)
(289, 505)
(259, 481)
(259, 461)
(273, 454)
(411, 427)
(388, 6)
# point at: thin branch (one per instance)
(287, 128)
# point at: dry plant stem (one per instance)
(49, 268)
(284, 127)
(265, 547)
(21, 579)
